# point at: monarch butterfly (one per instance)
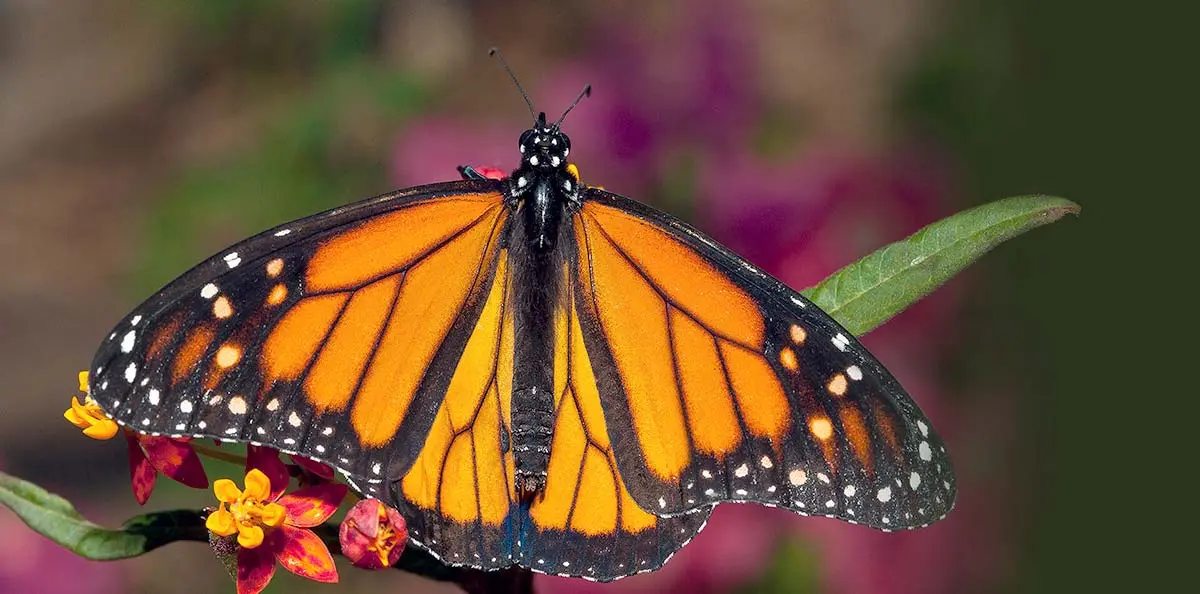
(533, 371)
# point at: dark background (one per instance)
(137, 138)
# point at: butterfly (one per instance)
(533, 371)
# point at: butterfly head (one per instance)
(544, 146)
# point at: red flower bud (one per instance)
(373, 535)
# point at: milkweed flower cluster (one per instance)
(270, 525)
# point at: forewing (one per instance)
(329, 337)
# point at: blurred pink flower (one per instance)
(429, 150)
(736, 546)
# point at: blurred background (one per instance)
(138, 138)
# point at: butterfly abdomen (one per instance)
(537, 290)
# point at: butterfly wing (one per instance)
(459, 495)
(378, 338)
(329, 336)
(719, 383)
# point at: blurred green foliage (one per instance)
(325, 145)
(796, 569)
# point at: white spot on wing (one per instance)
(742, 471)
(282, 232)
(850, 491)
(926, 453)
(131, 372)
(127, 341)
(295, 420)
(854, 372)
(841, 342)
(153, 397)
(185, 406)
(923, 427)
(884, 495)
(914, 481)
(766, 462)
(209, 291)
(799, 302)
(232, 259)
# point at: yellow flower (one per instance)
(87, 415)
(249, 511)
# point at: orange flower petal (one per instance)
(255, 567)
(267, 461)
(102, 429)
(258, 486)
(250, 537)
(221, 523)
(273, 514)
(313, 505)
(73, 417)
(83, 382)
(303, 553)
(226, 491)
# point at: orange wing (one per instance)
(333, 337)
(718, 383)
(459, 495)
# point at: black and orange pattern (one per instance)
(394, 339)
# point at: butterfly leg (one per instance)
(470, 173)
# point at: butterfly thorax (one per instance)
(543, 187)
(543, 192)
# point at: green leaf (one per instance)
(56, 519)
(868, 292)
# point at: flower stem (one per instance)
(218, 454)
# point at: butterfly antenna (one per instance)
(586, 92)
(495, 53)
